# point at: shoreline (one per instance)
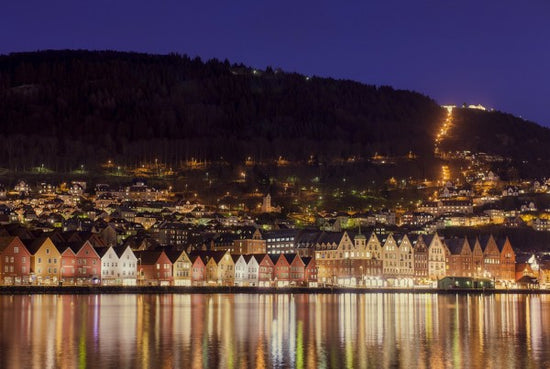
(94, 290)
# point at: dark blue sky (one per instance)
(496, 53)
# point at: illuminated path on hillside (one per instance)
(441, 135)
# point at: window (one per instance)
(16, 249)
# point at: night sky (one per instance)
(496, 53)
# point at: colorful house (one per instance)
(198, 270)
(460, 257)
(182, 267)
(109, 265)
(68, 262)
(266, 268)
(310, 271)
(220, 268)
(437, 257)
(241, 272)
(45, 261)
(88, 263)
(127, 265)
(155, 268)
(253, 270)
(420, 260)
(507, 261)
(15, 261)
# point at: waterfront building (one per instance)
(127, 265)
(88, 263)
(45, 260)
(310, 271)
(181, 267)
(437, 257)
(155, 268)
(460, 257)
(220, 268)
(68, 262)
(507, 260)
(266, 270)
(241, 272)
(253, 270)
(491, 256)
(420, 259)
(478, 266)
(198, 270)
(109, 265)
(15, 261)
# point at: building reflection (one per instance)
(266, 331)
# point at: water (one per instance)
(275, 331)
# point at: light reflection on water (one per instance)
(265, 331)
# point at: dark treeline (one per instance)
(65, 108)
(526, 143)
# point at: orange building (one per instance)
(45, 261)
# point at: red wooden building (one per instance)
(154, 267)
(15, 261)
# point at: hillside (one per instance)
(63, 108)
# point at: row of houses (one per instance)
(399, 259)
(45, 262)
(328, 258)
(407, 260)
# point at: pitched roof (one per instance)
(72, 246)
(33, 245)
(5, 242)
(207, 255)
(148, 257)
(455, 245)
(174, 254)
(101, 251)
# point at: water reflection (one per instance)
(275, 331)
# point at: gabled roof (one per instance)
(207, 255)
(33, 245)
(291, 257)
(101, 251)
(484, 241)
(119, 250)
(308, 260)
(260, 257)
(428, 239)
(247, 258)
(64, 246)
(501, 241)
(236, 258)
(148, 257)
(455, 245)
(174, 254)
(6, 241)
(274, 258)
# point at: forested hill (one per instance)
(62, 108)
(498, 133)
